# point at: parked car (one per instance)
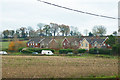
(35, 53)
(47, 52)
(3, 52)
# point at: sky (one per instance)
(23, 13)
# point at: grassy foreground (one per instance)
(58, 67)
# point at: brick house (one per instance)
(68, 42)
(88, 43)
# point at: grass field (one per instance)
(57, 67)
(4, 45)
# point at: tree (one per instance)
(115, 33)
(23, 32)
(15, 44)
(86, 32)
(31, 31)
(17, 33)
(40, 30)
(67, 30)
(46, 29)
(99, 30)
(54, 28)
(90, 34)
(62, 29)
(111, 40)
(5, 33)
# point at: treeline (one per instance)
(53, 29)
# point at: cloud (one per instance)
(18, 13)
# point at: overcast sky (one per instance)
(24, 13)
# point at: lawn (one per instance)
(5, 45)
(57, 67)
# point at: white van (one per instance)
(47, 52)
(3, 52)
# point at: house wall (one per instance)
(53, 44)
(65, 44)
(84, 42)
(98, 45)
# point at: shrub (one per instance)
(20, 49)
(116, 49)
(65, 51)
(26, 51)
(38, 50)
(81, 50)
(99, 51)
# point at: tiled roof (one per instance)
(92, 40)
(70, 39)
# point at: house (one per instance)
(65, 43)
(53, 44)
(61, 42)
(92, 42)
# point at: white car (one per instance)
(3, 52)
(47, 52)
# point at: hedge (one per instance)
(81, 50)
(29, 50)
(65, 51)
(116, 49)
(99, 51)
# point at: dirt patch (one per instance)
(56, 67)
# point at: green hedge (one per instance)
(29, 50)
(116, 49)
(99, 51)
(65, 51)
(81, 50)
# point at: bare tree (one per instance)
(40, 26)
(46, 29)
(86, 32)
(54, 28)
(99, 30)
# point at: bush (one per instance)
(27, 51)
(81, 50)
(36, 50)
(116, 49)
(20, 49)
(65, 51)
(99, 51)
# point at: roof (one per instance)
(47, 39)
(91, 40)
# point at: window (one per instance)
(103, 44)
(95, 44)
(64, 44)
(82, 45)
(75, 42)
(28, 44)
(86, 44)
(36, 44)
